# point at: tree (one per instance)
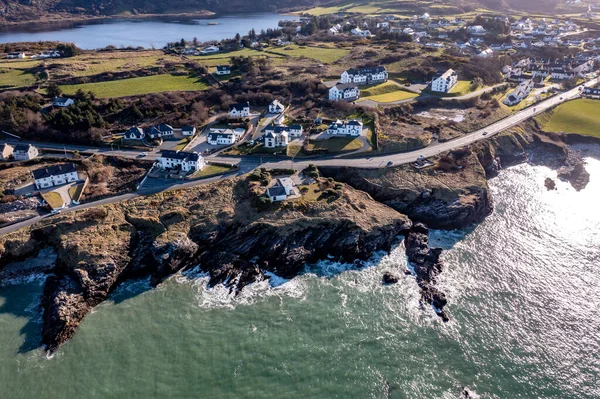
(54, 90)
(195, 41)
(182, 43)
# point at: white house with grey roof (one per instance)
(221, 136)
(55, 175)
(351, 127)
(134, 133)
(344, 91)
(365, 76)
(62, 102)
(276, 107)
(186, 161)
(240, 110)
(223, 70)
(445, 82)
(281, 190)
(24, 152)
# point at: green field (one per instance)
(578, 116)
(53, 199)
(461, 88)
(137, 86)
(387, 87)
(325, 55)
(210, 170)
(386, 93)
(224, 58)
(15, 78)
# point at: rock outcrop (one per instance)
(222, 227)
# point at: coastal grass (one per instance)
(15, 78)
(53, 199)
(383, 88)
(461, 88)
(75, 192)
(138, 86)
(326, 55)
(578, 116)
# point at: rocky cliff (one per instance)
(222, 227)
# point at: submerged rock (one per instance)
(390, 278)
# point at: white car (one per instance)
(420, 157)
(142, 154)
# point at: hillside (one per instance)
(40, 10)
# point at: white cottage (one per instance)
(344, 91)
(187, 161)
(24, 152)
(276, 107)
(351, 127)
(240, 110)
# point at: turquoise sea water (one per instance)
(523, 299)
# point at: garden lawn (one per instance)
(392, 97)
(325, 55)
(210, 170)
(461, 88)
(137, 86)
(53, 199)
(337, 144)
(578, 116)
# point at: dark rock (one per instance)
(390, 278)
(550, 184)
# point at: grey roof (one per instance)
(22, 147)
(276, 191)
(295, 126)
(60, 99)
(239, 106)
(345, 86)
(188, 129)
(223, 68)
(54, 171)
(163, 127)
(185, 156)
(276, 128)
(136, 131)
(214, 136)
(366, 71)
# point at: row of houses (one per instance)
(347, 88)
(159, 131)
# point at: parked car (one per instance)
(55, 212)
(420, 157)
(390, 163)
(485, 133)
(142, 154)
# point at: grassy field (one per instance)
(75, 192)
(325, 55)
(337, 144)
(137, 86)
(15, 78)
(224, 58)
(53, 199)
(384, 88)
(392, 97)
(578, 116)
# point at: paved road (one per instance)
(247, 164)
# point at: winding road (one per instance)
(247, 164)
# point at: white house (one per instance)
(15, 55)
(188, 130)
(240, 110)
(360, 32)
(351, 127)
(223, 70)
(135, 133)
(276, 107)
(520, 93)
(295, 130)
(62, 101)
(162, 130)
(372, 75)
(6, 151)
(591, 92)
(221, 137)
(445, 82)
(485, 53)
(55, 175)
(281, 190)
(476, 30)
(24, 152)
(187, 161)
(344, 91)
(276, 139)
(210, 50)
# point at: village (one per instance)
(339, 86)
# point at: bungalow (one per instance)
(62, 102)
(344, 91)
(276, 107)
(190, 50)
(223, 70)
(372, 75)
(164, 130)
(55, 175)
(210, 50)
(6, 151)
(188, 130)
(240, 110)
(135, 133)
(445, 82)
(24, 152)
(187, 161)
(276, 139)
(281, 190)
(221, 137)
(485, 53)
(520, 93)
(295, 130)
(352, 127)
(15, 55)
